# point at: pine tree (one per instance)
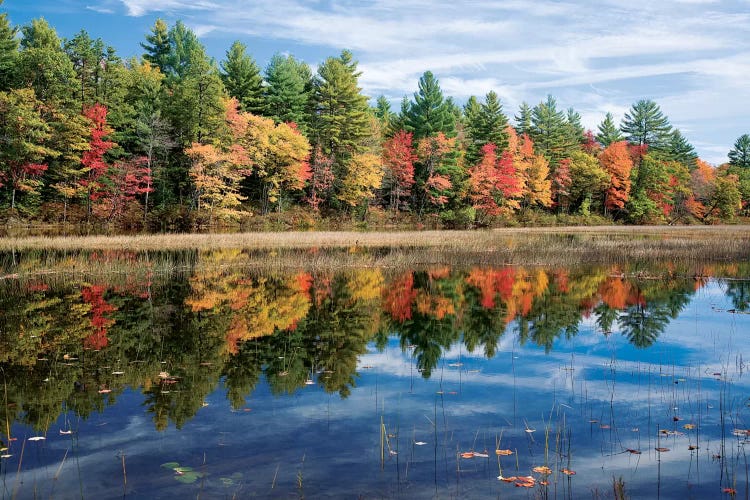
(739, 155)
(646, 125)
(551, 133)
(486, 125)
(86, 55)
(577, 131)
(285, 95)
(523, 120)
(158, 47)
(429, 112)
(342, 113)
(608, 131)
(185, 50)
(8, 51)
(471, 118)
(679, 149)
(44, 66)
(242, 79)
(385, 116)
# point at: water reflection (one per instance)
(69, 345)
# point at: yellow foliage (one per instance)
(364, 175)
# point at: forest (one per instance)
(173, 139)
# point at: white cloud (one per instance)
(604, 54)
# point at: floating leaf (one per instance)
(676, 418)
(188, 477)
(507, 479)
(730, 491)
(661, 449)
(604, 426)
(503, 453)
(568, 472)
(37, 438)
(741, 432)
(5, 456)
(183, 469)
(171, 465)
(689, 426)
(634, 452)
(481, 455)
(65, 433)
(542, 469)
(118, 373)
(105, 391)
(692, 447)
(467, 454)
(419, 443)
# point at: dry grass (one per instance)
(528, 246)
(476, 240)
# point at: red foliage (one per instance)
(94, 295)
(590, 145)
(321, 173)
(399, 297)
(493, 180)
(93, 159)
(398, 160)
(617, 161)
(491, 283)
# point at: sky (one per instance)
(690, 56)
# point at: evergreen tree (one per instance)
(577, 131)
(646, 125)
(679, 149)
(471, 114)
(486, 125)
(242, 79)
(286, 97)
(197, 110)
(430, 112)
(550, 131)
(384, 114)
(86, 55)
(158, 47)
(523, 120)
(739, 155)
(608, 131)
(44, 66)
(342, 113)
(8, 51)
(185, 50)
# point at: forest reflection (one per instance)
(74, 345)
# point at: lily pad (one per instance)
(171, 465)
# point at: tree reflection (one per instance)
(75, 345)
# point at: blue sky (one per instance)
(690, 56)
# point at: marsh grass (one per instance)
(335, 250)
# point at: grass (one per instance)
(333, 250)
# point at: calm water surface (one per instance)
(220, 381)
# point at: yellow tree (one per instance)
(364, 176)
(216, 173)
(533, 169)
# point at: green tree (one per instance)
(86, 55)
(679, 149)
(197, 103)
(523, 120)
(646, 125)
(739, 155)
(588, 181)
(44, 66)
(158, 47)
(552, 135)
(577, 131)
(24, 132)
(341, 111)
(286, 94)
(8, 51)
(608, 131)
(242, 79)
(429, 112)
(384, 114)
(484, 125)
(185, 51)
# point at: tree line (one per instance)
(174, 137)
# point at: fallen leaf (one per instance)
(730, 491)
(481, 455)
(118, 373)
(65, 433)
(503, 453)
(676, 418)
(105, 391)
(689, 426)
(568, 472)
(467, 454)
(37, 438)
(634, 452)
(419, 443)
(692, 447)
(507, 479)
(661, 449)
(542, 469)
(5, 456)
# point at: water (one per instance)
(219, 380)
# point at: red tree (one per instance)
(494, 183)
(398, 160)
(617, 161)
(93, 159)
